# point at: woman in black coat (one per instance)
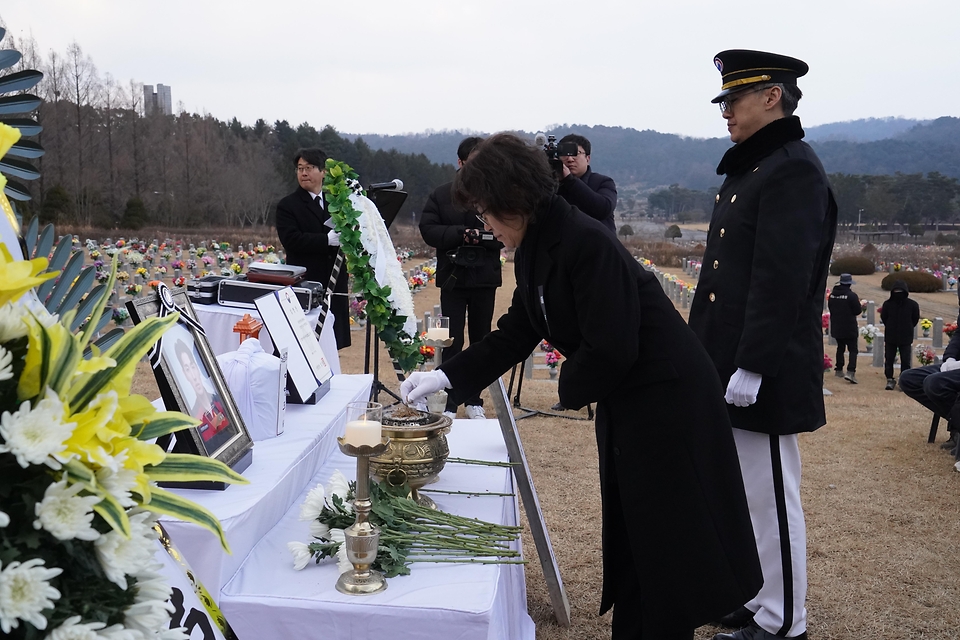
(678, 548)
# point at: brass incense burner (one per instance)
(417, 451)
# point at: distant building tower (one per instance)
(159, 102)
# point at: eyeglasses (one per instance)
(573, 155)
(482, 217)
(727, 104)
(305, 168)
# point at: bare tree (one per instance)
(84, 86)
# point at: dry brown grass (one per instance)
(881, 506)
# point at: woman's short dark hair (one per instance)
(313, 155)
(506, 177)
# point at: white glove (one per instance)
(949, 365)
(743, 388)
(420, 384)
(333, 238)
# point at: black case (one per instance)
(204, 290)
(241, 293)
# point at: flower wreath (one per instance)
(372, 261)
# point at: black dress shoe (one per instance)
(737, 619)
(753, 632)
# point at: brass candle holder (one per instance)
(362, 537)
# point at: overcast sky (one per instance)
(398, 66)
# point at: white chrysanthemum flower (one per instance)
(152, 607)
(180, 633)
(319, 530)
(344, 565)
(120, 481)
(313, 505)
(6, 364)
(25, 592)
(119, 632)
(64, 514)
(4, 519)
(121, 556)
(12, 325)
(338, 485)
(73, 629)
(301, 554)
(33, 436)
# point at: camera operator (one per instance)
(468, 269)
(592, 193)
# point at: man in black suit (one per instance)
(307, 235)
(758, 312)
(592, 193)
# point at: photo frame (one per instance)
(190, 381)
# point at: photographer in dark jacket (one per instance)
(899, 316)
(468, 269)
(592, 193)
(844, 306)
(937, 387)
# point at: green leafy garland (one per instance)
(340, 181)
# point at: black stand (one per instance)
(527, 411)
(372, 345)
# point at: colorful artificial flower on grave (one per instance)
(207, 260)
(425, 350)
(950, 328)
(79, 471)
(825, 320)
(133, 289)
(95, 255)
(153, 284)
(179, 281)
(925, 354)
(552, 359)
(101, 276)
(120, 243)
(897, 266)
(243, 255)
(177, 264)
(236, 268)
(122, 276)
(160, 270)
(142, 272)
(226, 271)
(357, 306)
(224, 246)
(925, 324)
(869, 332)
(827, 363)
(191, 264)
(952, 282)
(199, 251)
(863, 306)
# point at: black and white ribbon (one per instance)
(166, 307)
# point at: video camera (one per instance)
(556, 151)
(470, 255)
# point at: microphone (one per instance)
(395, 185)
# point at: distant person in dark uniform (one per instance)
(468, 285)
(678, 549)
(899, 316)
(844, 307)
(758, 312)
(307, 235)
(593, 193)
(937, 387)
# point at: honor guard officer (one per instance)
(758, 312)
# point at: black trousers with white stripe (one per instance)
(770, 465)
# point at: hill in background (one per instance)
(875, 146)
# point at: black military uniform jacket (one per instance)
(669, 474)
(301, 229)
(760, 296)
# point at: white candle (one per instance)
(438, 333)
(362, 432)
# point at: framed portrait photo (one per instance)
(191, 382)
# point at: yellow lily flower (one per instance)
(8, 137)
(19, 276)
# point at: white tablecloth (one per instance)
(218, 324)
(267, 598)
(281, 468)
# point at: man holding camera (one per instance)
(592, 193)
(468, 269)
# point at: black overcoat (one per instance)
(593, 193)
(845, 308)
(301, 229)
(669, 473)
(759, 299)
(899, 315)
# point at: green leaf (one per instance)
(171, 504)
(184, 467)
(162, 423)
(110, 510)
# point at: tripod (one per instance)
(372, 345)
(527, 411)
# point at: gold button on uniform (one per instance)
(733, 199)
(716, 264)
(755, 169)
(722, 231)
(718, 197)
(712, 297)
